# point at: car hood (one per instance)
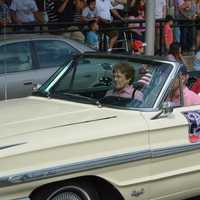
(32, 115)
(39, 123)
(40, 131)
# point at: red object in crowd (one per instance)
(137, 44)
(196, 86)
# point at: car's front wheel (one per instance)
(83, 191)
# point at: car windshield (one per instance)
(110, 81)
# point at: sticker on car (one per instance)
(193, 118)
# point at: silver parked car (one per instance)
(26, 60)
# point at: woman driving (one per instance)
(123, 76)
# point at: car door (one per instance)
(17, 74)
(51, 54)
(175, 147)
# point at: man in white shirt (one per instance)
(104, 9)
(24, 12)
(161, 9)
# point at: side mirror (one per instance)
(166, 109)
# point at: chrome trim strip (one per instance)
(58, 76)
(157, 153)
(71, 124)
(74, 168)
(23, 198)
(172, 75)
(10, 146)
(95, 164)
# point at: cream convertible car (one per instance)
(71, 142)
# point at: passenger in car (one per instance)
(123, 75)
(189, 97)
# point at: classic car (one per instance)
(70, 141)
(28, 60)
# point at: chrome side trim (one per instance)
(10, 146)
(24, 198)
(161, 152)
(74, 168)
(71, 124)
(95, 164)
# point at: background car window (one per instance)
(53, 53)
(15, 57)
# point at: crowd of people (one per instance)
(101, 13)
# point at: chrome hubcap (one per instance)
(67, 196)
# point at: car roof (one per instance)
(24, 37)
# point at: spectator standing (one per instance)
(104, 10)
(4, 14)
(177, 6)
(51, 9)
(90, 13)
(161, 9)
(139, 5)
(92, 38)
(198, 24)
(120, 6)
(160, 13)
(168, 32)
(66, 10)
(71, 11)
(25, 12)
(187, 12)
(137, 31)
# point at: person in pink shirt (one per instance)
(123, 75)
(168, 32)
(189, 97)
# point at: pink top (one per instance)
(126, 92)
(190, 98)
(168, 35)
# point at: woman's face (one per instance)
(120, 80)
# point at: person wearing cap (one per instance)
(189, 97)
(138, 47)
(145, 74)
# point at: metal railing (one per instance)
(59, 28)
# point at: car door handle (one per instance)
(87, 76)
(28, 83)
